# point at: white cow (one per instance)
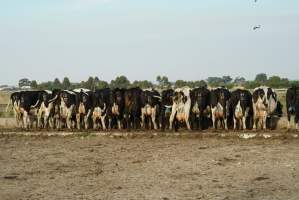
(265, 102)
(181, 107)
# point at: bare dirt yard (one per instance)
(147, 166)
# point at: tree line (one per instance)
(162, 82)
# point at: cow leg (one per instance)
(128, 121)
(118, 124)
(39, 118)
(94, 122)
(25, 119)
(225, 124)
(46, 118)
(264, 122)
(193, 120)
(235, 123)
(289, 121)
(171, 118)
(16, 115)
(86, 119)
(154, 118)
(69, 121)
(254, 116)
(244, 122)
(134, 122)
(162, 121)
(187, 123)
(214, 118)
(103, 122)
(86, 122)
(51, 122)
(78, 118)
(142, 118)
(256, 122)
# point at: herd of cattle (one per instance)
(195, 109)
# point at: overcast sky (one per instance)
(190, 40)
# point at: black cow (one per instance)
(101, 105)
(292, 103)
(116, 108)
(28, 99)
(67, 111)
(132, 110)
(219, 98)
(166, 108)
(84, 108)
(240, 109)
(200, 108)
(150, 108)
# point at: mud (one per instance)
(120, 165)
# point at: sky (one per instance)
(189, 40)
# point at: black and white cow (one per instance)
(181, 107)
(240, 108)
(150, 108)
(54, 109)
(166, 108)
(44, 107)
(84, 107)
(67, 112)
(200, 108)
(132, 112)
(292, 103)
(101, 105)
(14, 101)
(265, 105)
(116, 108)
(28, 112)
(219, 100)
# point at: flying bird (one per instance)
(256, 27)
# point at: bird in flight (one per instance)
(256, 27)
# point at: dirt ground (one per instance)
(84, 166)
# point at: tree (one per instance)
(66, 84)
(57, 84)
(277, 82)
(200, 83)
(89, 84)
(102, 84)
(240, 80)
(180, 83)
(33, 84)
(261, 78)
(24, 82)
(120, 82)
(215, 81)
(158, 79)
(226, 79)
(163, 82)
(96, 82)
(142, 84)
